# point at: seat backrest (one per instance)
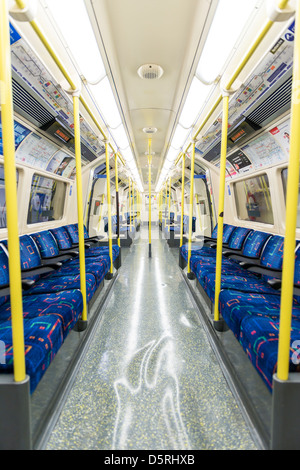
(255, 243)
(238, 237)
(62, 238)
(272, 254)
(46, 243)
(227, 232)
(4, 272)
(30, 255)
(72, 230)
(297, 266)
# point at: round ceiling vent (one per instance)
(150, 130)
(150, 71)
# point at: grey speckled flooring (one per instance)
(150, 379)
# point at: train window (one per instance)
(284, 174)
(47, 199)
(253, 199)
(3, 198)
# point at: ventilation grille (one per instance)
(29, 105)
(150, 71)
(280, 99)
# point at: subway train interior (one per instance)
(149, 227)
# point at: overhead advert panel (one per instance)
(276, 64)
(31, 70)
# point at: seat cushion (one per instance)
(43, 336)
(66, 305)
(243, 283)
(50, 284)
(259, 338)
(234, 306)
(98, 267)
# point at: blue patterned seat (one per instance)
(254, 317)
(43, 337)
(236, 277)
(98, 266)
(65, 242)
(47, 320)
(259, 339)
(233, 237)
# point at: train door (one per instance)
(202, 206)
(97, 206)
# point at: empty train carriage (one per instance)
(150, 225)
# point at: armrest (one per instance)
(230, 252)
(275, 283)
(57, 258)
(69, 251)
(240, 257)
(262, 269)
(40, 270)
(27, 283)
(4, 290)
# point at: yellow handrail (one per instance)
(191, 207)
(221, 206)
(11, 197)
(149, 177)
(182, 199)
(170, 180)
(288, 267)
(117, 198)
(80, 205)
(109, 208)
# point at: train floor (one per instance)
(149, 379)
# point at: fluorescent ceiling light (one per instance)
(105, 99)
(120, 136)
(228, 23)
(75, 26)
(195, 99)
(172, 154)
(179, 137)
(127, 154)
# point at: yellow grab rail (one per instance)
(288, 266)
(170, 180)
(182, 199)
(109, 209)
(11, 197)
(191, 208)
(117, 198)
(221, 205)
(80, 205)
(129, 193)
(149, 177)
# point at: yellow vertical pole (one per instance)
(117, 199)
(11, 197)
(288, 267)
(129, 192)
(221, 209)
(79, 205)
(189, 273)
(161, 206)
(169, 202)
(149, 178)
(182, 199)
(133, 202)
(110, 274)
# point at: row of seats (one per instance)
(172, 228)
(249, 301)
(126, 231)
(52, 300)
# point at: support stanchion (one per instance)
(191, 275)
